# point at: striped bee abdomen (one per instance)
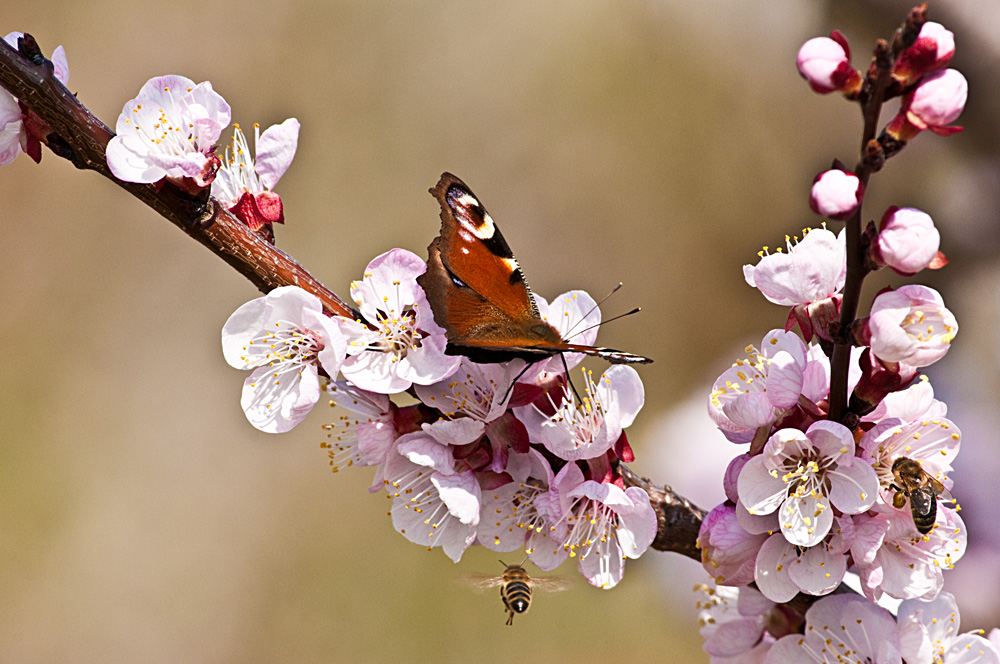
(516, 596)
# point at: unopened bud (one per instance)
(907, 242)
(825, 62)
(937, 101)
(836, 194)
(932, 105)
(933, 50)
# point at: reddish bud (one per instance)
(825, 62)
(933, 50)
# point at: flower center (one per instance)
(287, 346)
(805, 474)
(590, 524)
(238, 166)
(581, 420)
(520, 511)
(166, 133)
(924, 326)
(398, 334)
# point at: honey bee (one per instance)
(515, 587)
(913, 482)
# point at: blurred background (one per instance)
(660, 143)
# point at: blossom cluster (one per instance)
(506, 455)
(817, 495)
(169, 133)
(740, 625)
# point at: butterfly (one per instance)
(478, 293)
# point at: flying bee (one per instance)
(515, 587)
(913, 482)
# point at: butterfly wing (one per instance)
(478, 293)
(473, 282)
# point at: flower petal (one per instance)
(275, 151)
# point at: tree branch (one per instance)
(80, 137)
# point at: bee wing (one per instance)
(942, 493)
(479, 582)
(920, 500)
(551, 583)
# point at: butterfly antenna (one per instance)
(571, 333)
(627, 313)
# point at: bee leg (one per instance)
(510, 617)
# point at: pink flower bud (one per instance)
(826, 63)
(836, 194)
(933, 50)
(907, 241)
(937, 101)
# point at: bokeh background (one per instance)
(658, 142)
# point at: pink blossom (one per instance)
(800, 475)
(811, 270)
(728, 551)
(363, 437)
(841, 628)
(284, 337)
(894, 559)
(588, 429)
(509, 513)
(481, 392)
(169, 130)
(994, 638)
(732, 475)
(758, 390)
(836, 194)
(825, 62)
(907, 241)
(933, 49)
(929, 633)
(734, 623)
(406, 346)
(911, 325)
(246, 184)
(599, 524)
(436, 498)
(782, 570)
